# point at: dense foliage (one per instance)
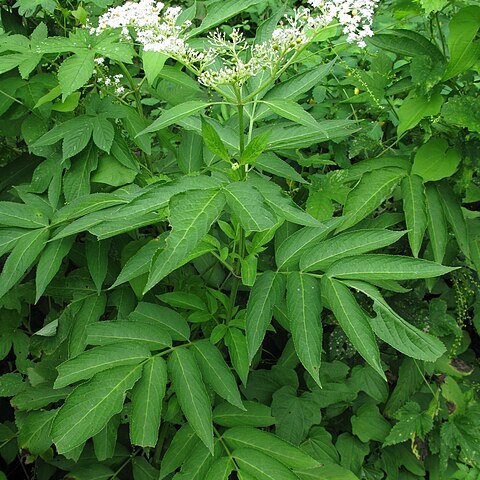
(239, 244)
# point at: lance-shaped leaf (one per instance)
(261, 466)
(191, 393)
(216, 372)
(146, 403)
(353, 320)
(91, 405)
(151, 335)
(304, 307)
(247, 204)
(454, 214)
(266, 293)
(294, 246)
(99, 359)
(269, 444)
(75, 71)
(347, 244)
(396, 331)
(167, 318)
(97, 260)
(34, 430)
(105, 441)
(386, 267)
(91, 309)
(281, 204)
(182, 444)
(49, 263)
(254, 414)
(236, 343)
(372, 189)
(220, 469)
(415, 208)
(437, 223)
(20, 215)
(174, 115)
(291, 111)
(191, 216)
(22, 257)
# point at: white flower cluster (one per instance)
(355, 16)
(108, 81)
(230, 60)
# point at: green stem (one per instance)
(442, 39)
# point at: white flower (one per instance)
(355, 16)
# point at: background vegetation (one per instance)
(240, 282)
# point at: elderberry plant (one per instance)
(223, 255)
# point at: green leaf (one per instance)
(92, 308)
(292, 111)
(34, 431)
(91, 405)
(191, 393)
(404, 337)
(302, 137)
(167, 318)
(23, 256)
(34, 398)
(75, 72)
(105, 441)
(189, 301)
(20, 215)
(50, 262)
(463, 28)
(454, 215)
(369, 193)
(213, 141)
(294, 415)
(435, 160)
(386, 267)
(261, 466)
(98, 359)
(146, 403)
(97, 260)
(414, 109)
(437, 223)
(282, 205)
(365, 379)
(411, 420)
(369, 424)
(220, 11)
(181, 446)
(269, 162)
(415, 208)
(196, 465)
(139, 263)
(253, 415)
(266, 293)
(353, 320)
(255, 148)
(220, 469)
(191, 216)
(103, 133)
(237, 348)
(174, 114)
(111, 172)
(11, 384)
(247, 204)
(270, 445)
(304, 308)
(216, 372)
(397, 332)
(151, 335)
(293, 247)
(76, 139)
(190, 152)
(407, 42)
(152, 63)
(326, 252)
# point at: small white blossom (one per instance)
(355, 16)
(99, 60)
